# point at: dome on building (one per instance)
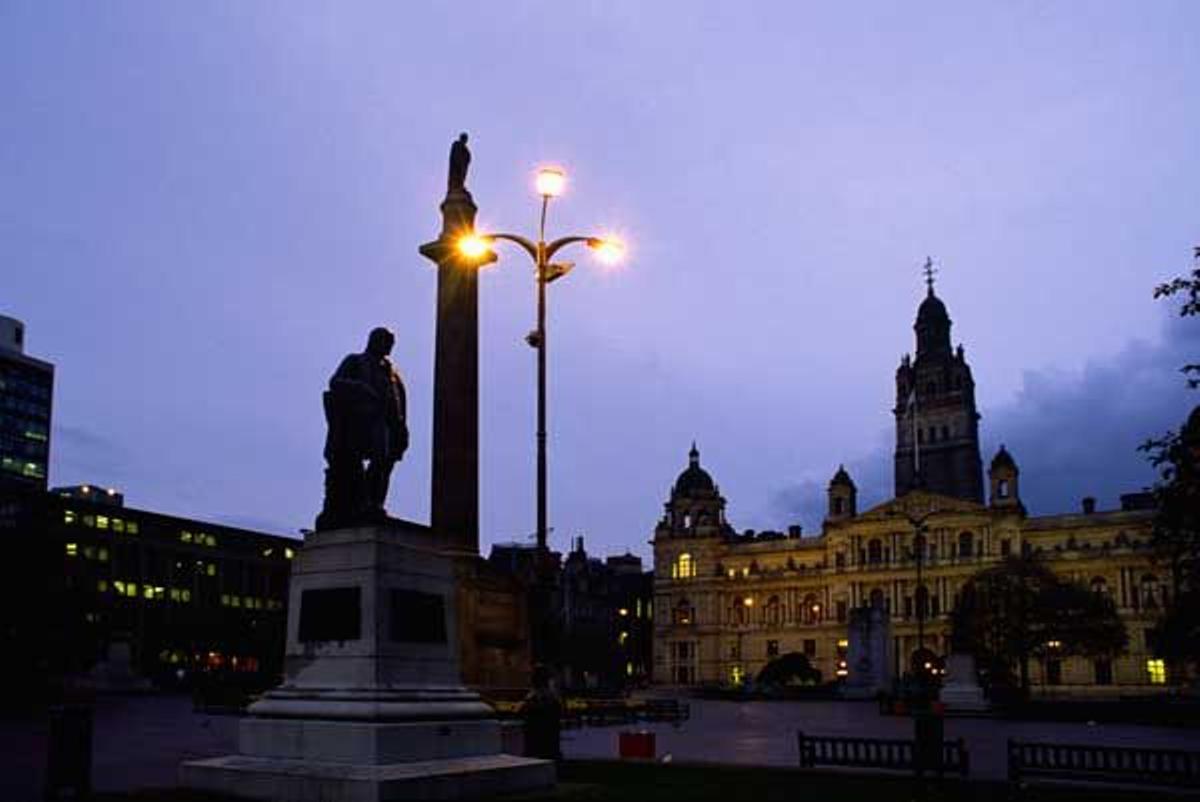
(932, 310)
(694, 479)
(841, 478)
(1003, 460)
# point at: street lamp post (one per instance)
(550, 184)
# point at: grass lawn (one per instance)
(602, 781)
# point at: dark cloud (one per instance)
(1074, 433)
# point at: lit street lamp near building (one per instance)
(550, 183)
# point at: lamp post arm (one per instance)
(562, 242)
(529, 246)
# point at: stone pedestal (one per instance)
(372, 707)
(961, 691)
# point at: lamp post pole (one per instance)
(542, 491)
(550, 183)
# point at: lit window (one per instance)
(1157, 669)
(69, 516)
(102, 585)
(174, 594)
(72, 549)
(289, 554)
(185, 537)
(621, 638)
(148, 592)
(131, 590)
(89, 552)
(118, 525)
(102, 554)
(684, 567)
(120, 586)
(225, 600)
(629, 669)
(102, 522)
(131, 527)
(186, 595)
(89, 520)
(211, 569)
(267, 552)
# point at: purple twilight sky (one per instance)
(203, 206)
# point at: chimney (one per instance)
(1089, 505)
(794, 531)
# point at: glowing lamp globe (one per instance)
(550, 182)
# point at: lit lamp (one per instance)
(550, 183)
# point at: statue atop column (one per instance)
(460, 160)
(365, 409)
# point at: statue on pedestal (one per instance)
(365, 409)
(460, 160)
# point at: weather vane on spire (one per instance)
(929, 272)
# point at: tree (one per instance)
(1190, 286)
(1176, 532)
(788, 669)
(1019, 610)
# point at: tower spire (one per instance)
(930, 271)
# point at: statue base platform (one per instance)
(962, 693)
(372, 707)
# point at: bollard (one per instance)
(69, 761)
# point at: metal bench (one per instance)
(1134, 766)
(881, 753)
(671, 710)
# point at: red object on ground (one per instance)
(638, 745)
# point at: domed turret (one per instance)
(696, 508)
(843, 496)
(694, 480)
(1004, 477)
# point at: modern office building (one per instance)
(26, 395)
(83, 574)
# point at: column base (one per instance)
(307, 781)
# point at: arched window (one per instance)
(810, 610)
(774, 611)
(875, 552)
(1002, 488)
(683, 614)
(1099, 585)
(966, 544)
(684, 567)
(838, 505)
(739, 611)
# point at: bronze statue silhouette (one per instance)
(460, 160)
(365, 409)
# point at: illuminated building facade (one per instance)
(728, 603)
(83, 573)
(26, 395)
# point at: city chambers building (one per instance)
(727, 604)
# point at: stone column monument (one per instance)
(372, 706)
(454, 509)
(869, 656)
